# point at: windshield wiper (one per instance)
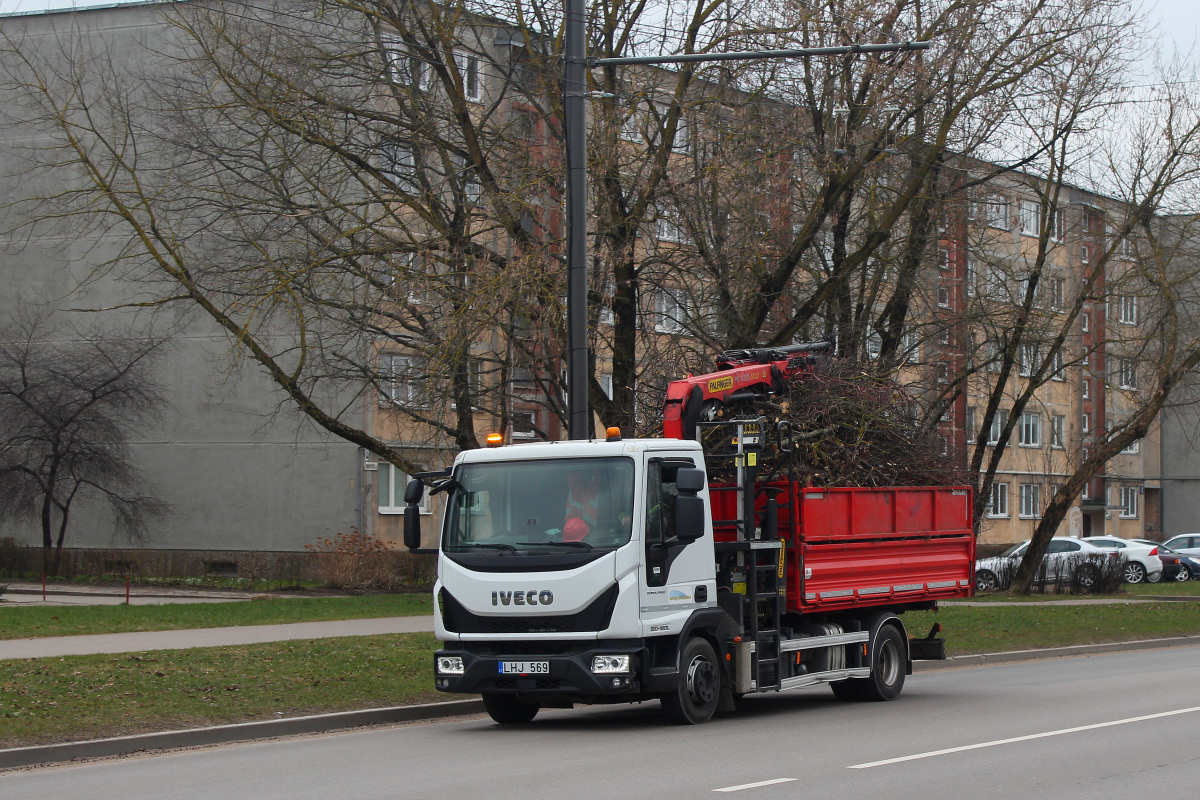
(584, 545)
(492, 546)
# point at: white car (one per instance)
(1141, 560)
(1065, 557)
(1186, 543)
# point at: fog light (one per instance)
(606, 665)
(450, 665)
(616, 682)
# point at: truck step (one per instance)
(809, 642)
(822, 677)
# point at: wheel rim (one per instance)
(1133, 573)
(985, 581)
(889, 662)
(1183, 575)
(701, 681)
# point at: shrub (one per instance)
(360, 561)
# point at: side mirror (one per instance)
(689, 516)
(412, 523)
(414, 491)
(689, 480)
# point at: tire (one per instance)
(507, 709)
(1133, 572)
(1155, 578)
(1184, 574)
(888, 657)
(848, 691)
(695, 699)
(986, 581)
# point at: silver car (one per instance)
(1065, 558)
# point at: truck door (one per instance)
(677, 572)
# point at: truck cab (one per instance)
(567, 570)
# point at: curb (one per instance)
(984, 659)
(210, 594)
(226, 734)
(324, 723)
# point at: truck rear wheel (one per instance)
(506, 709)
(695, 699)
(887, 666)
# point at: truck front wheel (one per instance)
(887, 666)
(506, 709)
(695, 698)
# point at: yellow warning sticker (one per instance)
(751, 459)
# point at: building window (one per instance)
(910, 347)
(1085, 254)
(1060, 225)
(1030, 434)
(1031, 500)
(392, 483)
(943, 296)
(667, 228)
(996, 281)
(1058, 290)
(606, 386)
(969, 425)
(401, 380)
(994, 213)
(994, 357)
(398, 165)
(631, 126)
(1127, 373)
(944, 258)
(1058, 425)
(1086, 321)
(1127, 310)
(1029, 359)
(669, 314)
(1030, 217)
(1085, 424)
(998, 507)
(1059, 373)
(972, 275)
(1085, 387)
(1132, 448)
(468, 69)
(999, 419)
(524, 424)
(1129, 502)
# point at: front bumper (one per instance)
(570, 668)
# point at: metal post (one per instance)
(574, 92)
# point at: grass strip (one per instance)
(84, 697)
(995, 629)
(87, 697)
(27, 622)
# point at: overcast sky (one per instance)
(1179, 19)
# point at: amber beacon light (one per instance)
(613, 435)
(495, 439)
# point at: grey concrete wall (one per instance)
(1181, 470)
(238, 468)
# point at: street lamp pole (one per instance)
(575, 65)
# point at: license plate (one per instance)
(524, 667)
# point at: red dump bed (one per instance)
(849, 548)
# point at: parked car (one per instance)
(1186, 543)
(1065, 557)
(1141, 560)
(1176, 566)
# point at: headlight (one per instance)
(604, 665)
(450, 665)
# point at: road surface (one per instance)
(1113, 726)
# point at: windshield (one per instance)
(551, 505)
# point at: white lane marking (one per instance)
(771, 782)
(1031, 736)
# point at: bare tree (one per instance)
(68, 403)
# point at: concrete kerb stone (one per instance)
(323, 723)
(226, 734)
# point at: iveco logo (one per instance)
(530, 598)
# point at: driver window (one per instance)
(661, 494)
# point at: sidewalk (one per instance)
(55, 646)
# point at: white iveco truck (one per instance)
(588, 572)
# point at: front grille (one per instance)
(496, 649)
(595, 617)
